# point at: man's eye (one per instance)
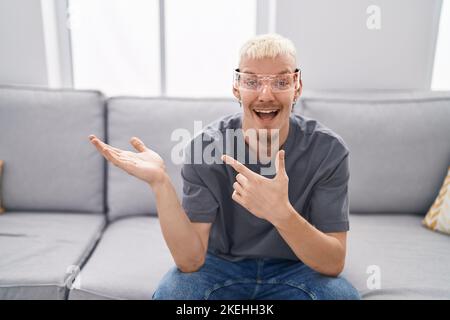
(282, 83)
(250, 82)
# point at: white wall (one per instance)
(441, 69)
(22, 49)
(336, 50)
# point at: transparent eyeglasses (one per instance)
(278, 82)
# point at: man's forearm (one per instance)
(184, 243)
(321, 252)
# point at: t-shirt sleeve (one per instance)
(329, 206)
(198, 201)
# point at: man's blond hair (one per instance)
(267, 45)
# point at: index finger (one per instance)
(100, 145)
(239, 167)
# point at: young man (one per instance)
(240, 233)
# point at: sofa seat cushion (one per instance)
(128, 262)
(413, 261)
(41, 252)
(132, 257)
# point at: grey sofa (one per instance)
(79, 228)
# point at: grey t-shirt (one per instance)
(316, 161)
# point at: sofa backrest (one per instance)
(399, 145)
(50, 164)
(153, 120)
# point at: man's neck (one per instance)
(268, 143)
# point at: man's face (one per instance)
(265, 99)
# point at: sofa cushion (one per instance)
(132, 257)
(398, 143)
(41, 252)
(128, 262)
(50, 164)
(410, 261)
(154, 121)
(438, 216)
(1, 199)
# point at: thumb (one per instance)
(138, 144)
(279, 163)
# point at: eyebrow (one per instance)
(282, 72)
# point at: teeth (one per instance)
(266, 111)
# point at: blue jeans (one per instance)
(252, 279)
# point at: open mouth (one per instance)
(266, 115)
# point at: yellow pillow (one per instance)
(1, 169)
(438, 217)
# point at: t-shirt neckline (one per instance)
(286, 146)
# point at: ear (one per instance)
(298, 92)
(236, 93)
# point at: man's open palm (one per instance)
(145, 164)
